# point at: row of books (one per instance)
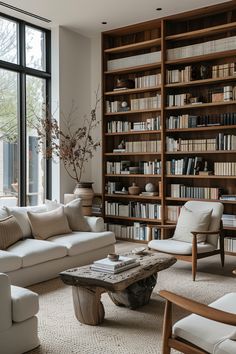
(193, 121)
(126, 126)
(182, 191)
(151, 102)
(147, 81)
(229, 220)
(221, 142)
(223, 70)
(143, 167)
(231, 197)
(213, 46)
(134, 60)
(133, 209)
(179, 75)
(222, 94)
(185, 166)
(115, 106)
(230, 244)
(225, 168)
(143, 146)
(137, 231)
(173, 212)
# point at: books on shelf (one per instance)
(229, 220)
(108, 266)
(136, 231)
(230, 244)
(182, 191)
(134, 60)
(125, 126)
(225, 168)
(143, 146)
(231, 197)
(185, 166)
(151, 102)
(133, 209)
(147, 81)
(193, 121)
(173, 212)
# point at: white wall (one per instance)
(71, 53)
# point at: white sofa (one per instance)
(30, 261)
(18, 323)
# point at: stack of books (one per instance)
(108, 266)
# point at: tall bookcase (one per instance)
(169, 112)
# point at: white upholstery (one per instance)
(178, 247)
(9, 261)
(20, 337)
(82, 242)
(37, 251)
(206, 334)
(24, 304)
(96, 224)
(185, 248)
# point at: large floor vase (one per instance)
(84, 190)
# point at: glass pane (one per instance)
(35, 48)
(8, 138)
(36, 164)
(8, 40)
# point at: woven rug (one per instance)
(124, 331)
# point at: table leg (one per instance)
(135, 295)
(87, 305)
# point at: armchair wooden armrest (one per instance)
(217, 232)
(199, 309)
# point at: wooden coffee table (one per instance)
(131, 288)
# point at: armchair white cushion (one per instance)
(18, 323)
(210, 217)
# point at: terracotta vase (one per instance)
(134, 190)
(84, 190)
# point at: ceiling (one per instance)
(85, 16)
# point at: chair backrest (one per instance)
(217, 211)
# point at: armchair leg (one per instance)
(167, 327)
(194, 267)
(222, 249)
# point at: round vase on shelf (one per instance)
(84, 190)
(134, 190)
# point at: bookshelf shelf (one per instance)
(209, 31)
(201, 105)
(207, 77)
(131, 91)
(133, 69)
(201, 82)
(137, 132)
(135, 46)
(133, 112)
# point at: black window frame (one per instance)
(23, 71)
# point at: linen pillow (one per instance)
(20, 213)
(49, 223)
(192, 221)
(74, 213)
(10, 232)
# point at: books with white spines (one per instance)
(114, 271)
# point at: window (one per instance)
(24, 92)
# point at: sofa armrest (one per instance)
(96, 224)
(5, 303)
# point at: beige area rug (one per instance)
(124, 331)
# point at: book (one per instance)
(109, 264)
(115, 271)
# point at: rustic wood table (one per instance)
(131, 288)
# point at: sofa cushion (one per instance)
(227, 346)
(49, 223)
(21, 216)
(10, 232)
(205, 333)
(3, 213)
(37, 251)
(96, 223)
(74, 213)
(25, 303)
(9, 261)
(178, 247)
(192, 221)
(82, 242)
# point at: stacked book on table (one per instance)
(108, 266)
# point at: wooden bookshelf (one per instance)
(208, 74)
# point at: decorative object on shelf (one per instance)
(204, 71)
(84, 190)
(120, 147)
(205, 171)
(134, 189)
(124, 106)
(72, 145)
(150, 187)
(124, 84)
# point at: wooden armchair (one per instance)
(191, 250)
(210, 329)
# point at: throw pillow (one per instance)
(10, 232)
(192, 221)
(50, 223)
(52, 204)
(20, 213)
(74, 213)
